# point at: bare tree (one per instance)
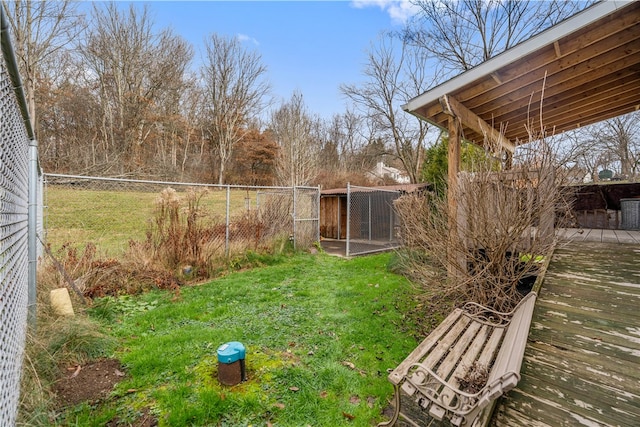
(134, 70)
(393, 79)
(194, 149)
(40, 29)
(298, 136)
(236, 88)
(460, 34)
(620, 138)
(68, 117)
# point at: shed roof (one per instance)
(402, 188)
(585, 69)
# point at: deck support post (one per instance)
(454, 256)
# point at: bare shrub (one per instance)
(492, 250)
(179, 234)
(95, 276)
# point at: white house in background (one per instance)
(383, 171)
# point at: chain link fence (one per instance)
(372, 222)
(111, 213)
(15, 152)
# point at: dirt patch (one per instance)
(89, 383)
(92, 383)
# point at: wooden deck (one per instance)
(597, 235)
(582, 363)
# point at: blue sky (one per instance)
(308, 46)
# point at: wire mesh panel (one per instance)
(111, 213)
(14, 155)
(307, 216)
(372, 220)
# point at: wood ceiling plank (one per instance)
(564, 82)
(569, 68)
(585, 117)
(576, 97)
(597, 38)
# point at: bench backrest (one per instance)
(509, 358)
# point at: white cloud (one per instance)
(399, 10)
(246, 38)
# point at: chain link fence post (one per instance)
(18, 210)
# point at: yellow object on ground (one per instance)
(61, 302)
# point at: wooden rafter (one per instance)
(468, 118)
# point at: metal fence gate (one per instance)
(372, 222)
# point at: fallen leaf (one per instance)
(324, 394)
(294, 388)
(279, 405)
(348, 416)
(371, 401)
(354, 400)
(119, 373)
(76, 372)
(131, 390)
(349, 365)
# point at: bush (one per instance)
(504, 224)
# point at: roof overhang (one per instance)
(581, 71)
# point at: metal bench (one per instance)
(472, 358)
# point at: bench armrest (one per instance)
(441, 398)
(497, 388)
(439, 391)
(488, 316)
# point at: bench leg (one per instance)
(396, 404)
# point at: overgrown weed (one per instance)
(184, 244)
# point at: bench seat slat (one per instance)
(471, 355)
(445, 344)
(491, 348)
(397, 375)
(452, 359)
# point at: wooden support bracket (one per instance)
(453, 107)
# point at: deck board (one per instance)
(582, 362)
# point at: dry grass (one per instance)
(54, 343)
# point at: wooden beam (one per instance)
(453, 164)
(454, 108)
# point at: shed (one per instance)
(334, 211)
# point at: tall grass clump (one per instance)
(53, 344)
(181, 234)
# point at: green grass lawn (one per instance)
(320, 332)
